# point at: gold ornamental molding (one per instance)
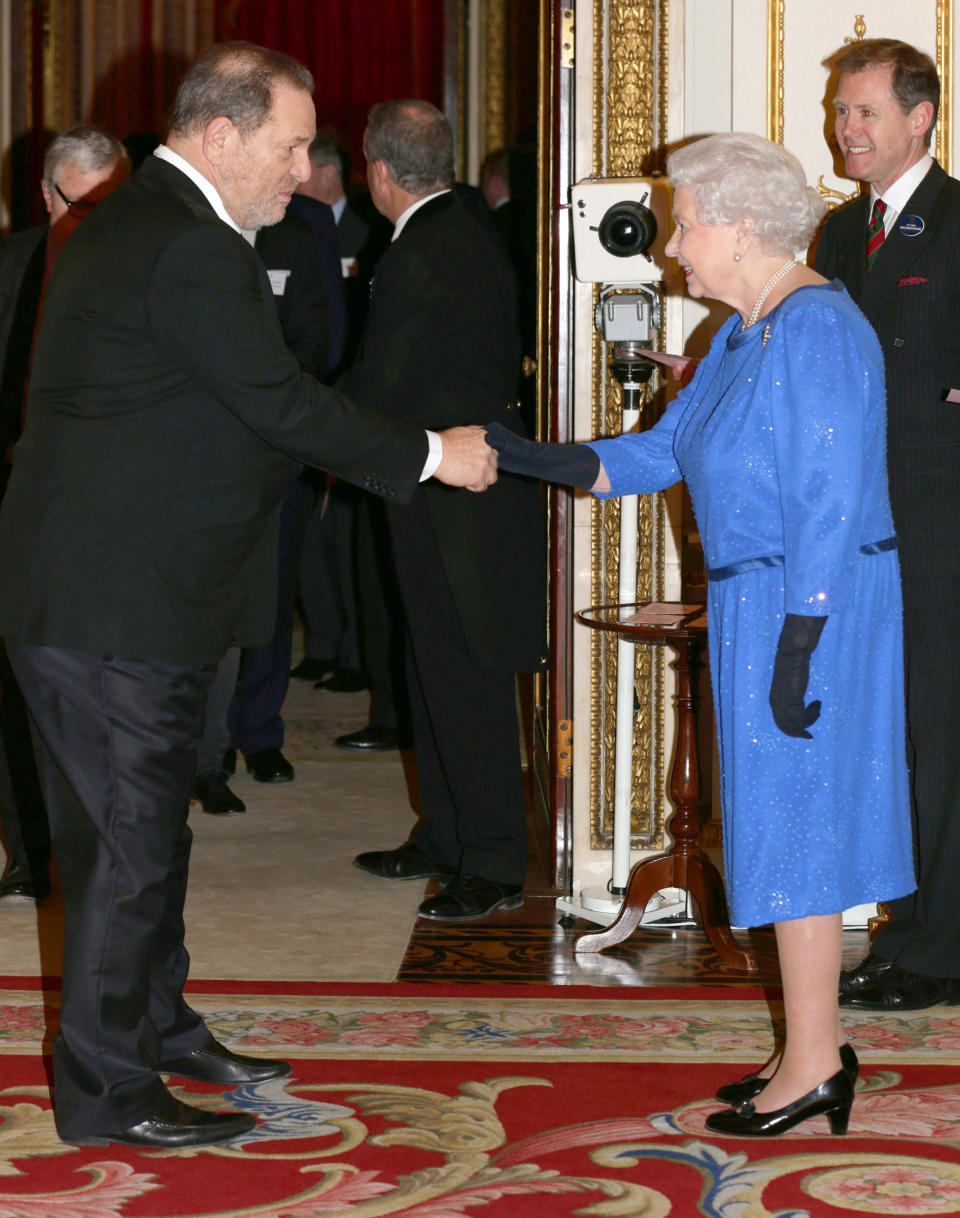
(945, 69)
(630, 112)
(775, 70)
(944, 60)
(495, 78)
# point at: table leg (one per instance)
(684, 865)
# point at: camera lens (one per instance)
(627, 229)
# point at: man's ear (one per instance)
(382, 174)
(217, 136)
(922, 118)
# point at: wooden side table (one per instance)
(683, 628)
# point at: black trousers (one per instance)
(465, 729)
(924, 936)
(119, 756)
(23, 816)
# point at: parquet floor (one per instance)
(530, 945)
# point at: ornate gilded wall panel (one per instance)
(629, 131)
(97, 69)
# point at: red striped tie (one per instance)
(875, 231)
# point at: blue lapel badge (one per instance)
(911, 226)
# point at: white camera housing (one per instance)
(620, 228)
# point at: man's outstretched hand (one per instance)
(468, 460)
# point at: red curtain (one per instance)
(359, 51)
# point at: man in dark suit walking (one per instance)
(166, 418)
(441, 346)
(897, 250)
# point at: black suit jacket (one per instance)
(166, 418)
(440, 349)
(22, 267)
(912, 299)
(292, 256)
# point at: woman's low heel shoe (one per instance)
(750, 1087)
(832, 1099)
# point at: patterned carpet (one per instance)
(501, 1102)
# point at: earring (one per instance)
(736, 257)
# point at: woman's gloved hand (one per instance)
(568, 464)
(799, 637)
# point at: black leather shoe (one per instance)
(19, 881)
(900, 990)
(369, 739)
(832, 1099)
(404, 863)
(215, 796)
(214, 1063)
(344, 681)
(269, 765)
(750, 1087)
(469, 898)
(311, 669)
(173, 1125)
(229, 763)
(870, 969)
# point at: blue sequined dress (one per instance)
(781, 437)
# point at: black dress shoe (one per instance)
(173, 1125)
(214, 1063)
(344, 681)
(215, 796)
(469, 898)
(269, 765)
(832, 1099)
(18, 881)
(899, 990)
(750, 1087)
(369, 739)
(404, 863)
(312, 669)
(870, 969)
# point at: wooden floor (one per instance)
(530, 946)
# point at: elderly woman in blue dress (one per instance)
(780, 435)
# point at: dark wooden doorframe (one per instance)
(553, 692)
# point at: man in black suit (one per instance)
(81, 167)
(897, 250)
(440, 346)
(245, 713)
(166, 418)
(327, 588)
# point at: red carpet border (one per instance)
(499, 1102)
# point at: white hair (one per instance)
(739, 176)
(86, 149)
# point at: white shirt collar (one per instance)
(339, 208)
(897, 195)
(405, 215)
(210, 192)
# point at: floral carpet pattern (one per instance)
(454, 1102)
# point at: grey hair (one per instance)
(324, 150)
(87, 149)
(415, 142)
(739, 176)
(234, 80)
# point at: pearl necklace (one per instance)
(765, 292)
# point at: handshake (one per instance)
(471, 456)
(468, 460)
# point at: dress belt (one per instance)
(776, 560)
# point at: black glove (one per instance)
(569, 464)
(791, 670)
